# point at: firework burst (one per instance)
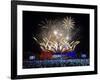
(56, 35)
(68, 23)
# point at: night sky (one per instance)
(31, 20)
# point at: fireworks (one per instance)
(68, 23)
(56, 35)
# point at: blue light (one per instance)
(71, 54)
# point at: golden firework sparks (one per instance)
(68, 23)
(58, 35)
